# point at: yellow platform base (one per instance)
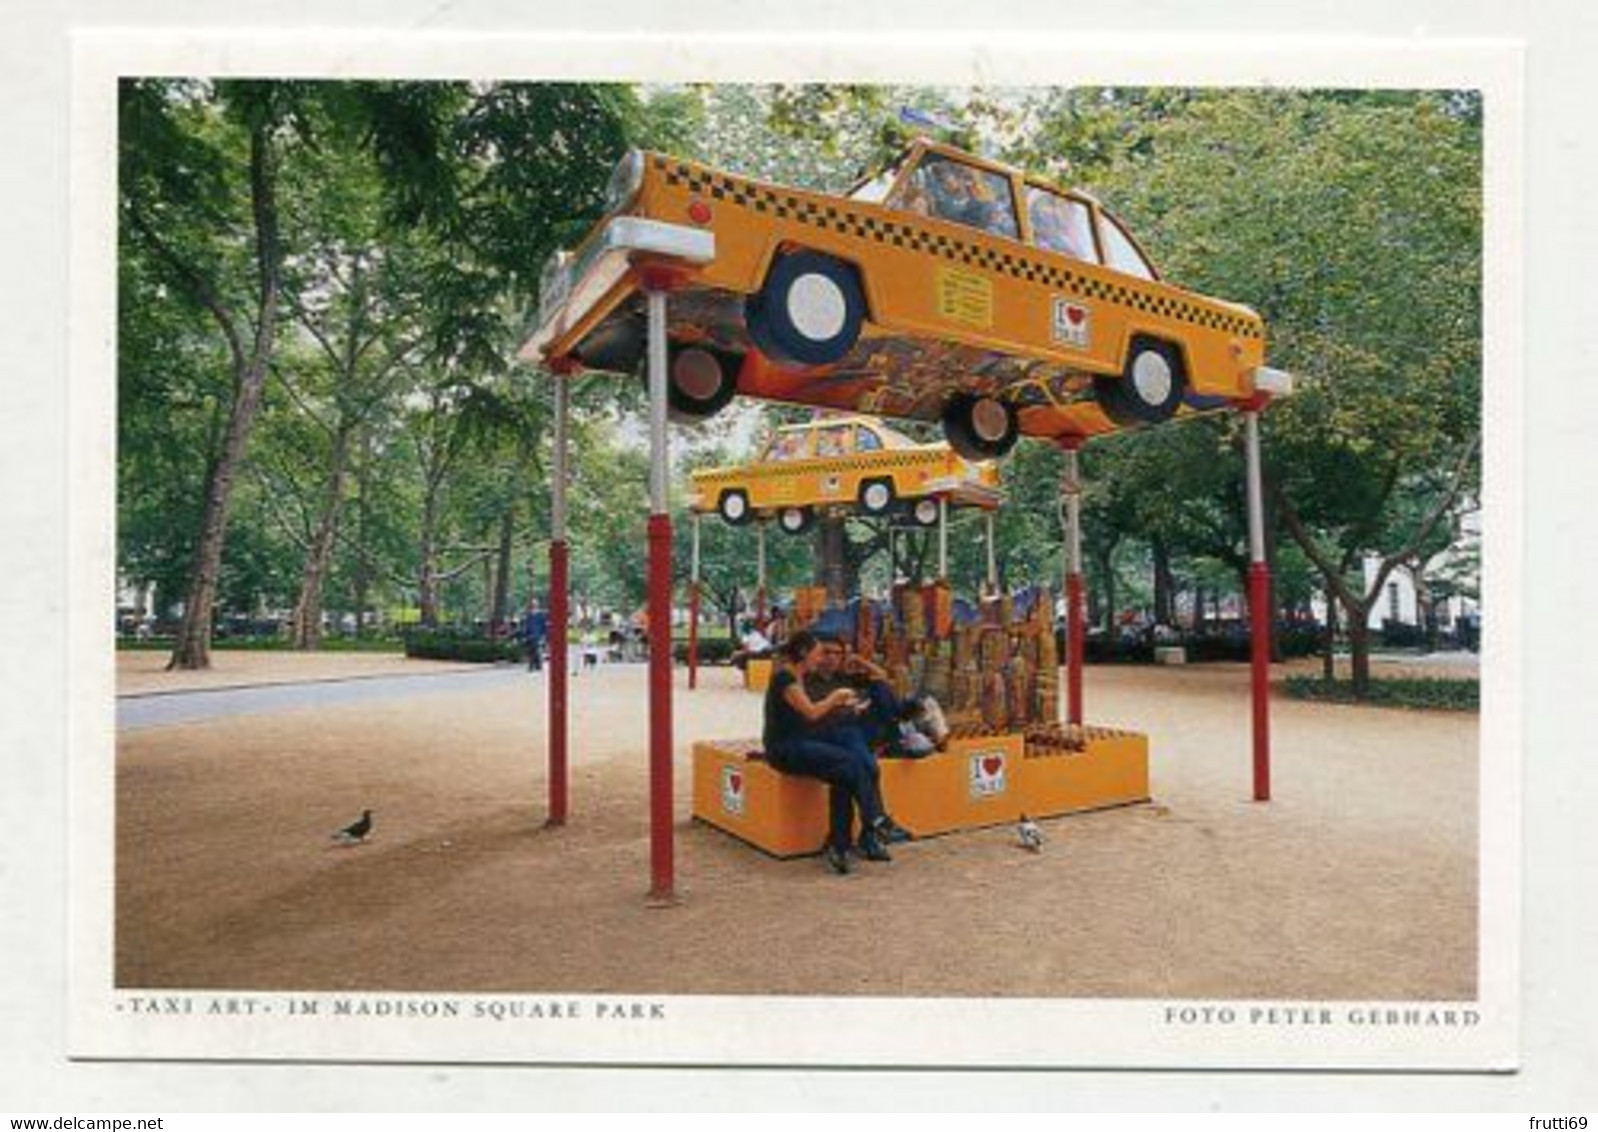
(976, 782)
(757, 674)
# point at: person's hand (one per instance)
(841, 698)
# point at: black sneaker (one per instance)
(836, 858)
(890, 832)
(872, 849)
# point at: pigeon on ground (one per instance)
(1029, 833)
(357, 831)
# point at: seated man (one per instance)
(880, 719)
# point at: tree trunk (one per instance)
(832, 559)
(501, 601)
(363, 569)
(192, 648)
(1106, 571)
(1164, 584)
(427, 574)
(1329, 659)
(1359, 649)
(307, 624)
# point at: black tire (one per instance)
(1150, 387)
(794, 520)
(700, 382)
(809, 310)
(733, 507)
(980, 428)
(876, 496)
(924, 511)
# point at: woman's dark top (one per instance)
(783, 721)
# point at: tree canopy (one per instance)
(322, 286)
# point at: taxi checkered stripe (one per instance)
(812, 465)
(763, 199)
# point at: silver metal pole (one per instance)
(658, 458)
(1256, 493)
(693, 567)
(943, 538)
(561, 462)
(1071, 488)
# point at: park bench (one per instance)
(979, 779)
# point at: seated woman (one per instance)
(793, 746)
(752, 645)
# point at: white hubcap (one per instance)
(816, 307)
(876, 497)
(734, 506)
(1152, 377)
(989, 420)
(792, 520)
(927, 512)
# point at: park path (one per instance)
(162, 709)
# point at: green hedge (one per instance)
(447, 644)
(1434, 693)
(711, 650)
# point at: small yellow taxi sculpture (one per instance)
(848, 461)
(946, 288)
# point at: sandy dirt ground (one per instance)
(1359, 881)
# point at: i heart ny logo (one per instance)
(1075, 315)
(732, 791)
(987, 774)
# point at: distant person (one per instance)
(535, 631)
(752, 645)
(796, 743)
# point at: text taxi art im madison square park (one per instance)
(946, 288)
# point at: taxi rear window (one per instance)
(1060, 224)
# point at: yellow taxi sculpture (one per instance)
(947, 288)
(847, 461)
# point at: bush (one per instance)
(456, 644)
(1397, 635)
(711, 650)
(1430, 693)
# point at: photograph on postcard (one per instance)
(599, 546)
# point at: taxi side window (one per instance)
(1060, 224)
(832, 442)
(952, 190)
(866, 441)
(1120, 252)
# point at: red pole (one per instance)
(660, 784)
(559, 574)
(1076, 645)
(661, 866)
(559, 601)
(1075, 611)
(1259, 616)
(693, 635)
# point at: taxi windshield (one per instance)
(872, 189)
